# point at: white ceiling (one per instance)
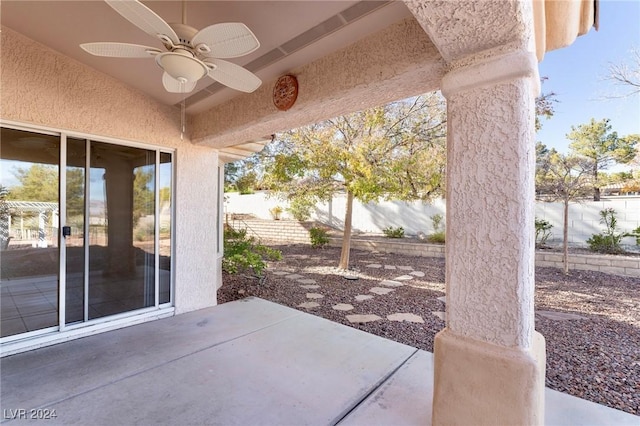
(329, 26)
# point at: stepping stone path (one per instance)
(362, 318)
(381, 290)
(404, 278)
(293, 276)
(363, 297)
(314, 296)
(391, 283)
(389, 286)
(405, 317)
(343, 307)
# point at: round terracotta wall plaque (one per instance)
(285, 92)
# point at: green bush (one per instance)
(300, 209)
(392, 232)
(438, 236)
(636, 233)
(542, 232)
(319, 237)
(609, 240)
(242, 252)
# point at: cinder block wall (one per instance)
(291, 231)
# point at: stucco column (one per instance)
(489, 361)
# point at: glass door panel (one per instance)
(29, 209)
(166, 171)
(122, 229)
(75, 219)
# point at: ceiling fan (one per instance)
(190, 54)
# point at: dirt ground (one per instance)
(594, 355)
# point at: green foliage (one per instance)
(438, 236)
(542, 231)
(143, 192)
(636, 233)
(276, 212)
(246, 183)
(4, 217)
(544, 105)
(609, 240)
(319, 237)
(300, 208)
(242, 253)
(391, 232)
(602, 147)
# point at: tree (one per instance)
(627, 75)
(544, 105)
(566, 179)
(5, 216)
(396, 151)
(596, 142)
(37, 183)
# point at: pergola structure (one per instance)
(482, 55)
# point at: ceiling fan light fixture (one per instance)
(182, 66)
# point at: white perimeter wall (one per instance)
(584, 218)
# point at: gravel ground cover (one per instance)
(594, 355)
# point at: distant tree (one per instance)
(544, 105)
(37, 183)
(143, 192)
(396, 151)
(566, 179)
(596, 142)
(627, 74)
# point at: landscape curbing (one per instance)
(291, 231)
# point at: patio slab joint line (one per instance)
(373, 389)
(138, 372)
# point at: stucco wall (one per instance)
(41, 87)
(584, 218)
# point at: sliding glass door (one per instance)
(112, 254)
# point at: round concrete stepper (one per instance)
(342, 307)
(309, 305)
(442, 299)
(405, 316)
(389, 267)
(314, 296)
(363, 297)
(374, 265)
(391, 283)
(280, 273)
(417, 273)
(293, 276)
(362, 318)
(307, 281)
(381, 290)
(310, 286)
(404, 278)
(439, 314)
(406, 268)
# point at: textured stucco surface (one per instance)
(490, 211)
(463, 28)
(393, 64)
(477, 383)
(41, 87)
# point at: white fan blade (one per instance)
(227, 40)
(174, 86)
(120, 50)
(233, 75)
(143, 17)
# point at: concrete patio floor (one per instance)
(247, 362)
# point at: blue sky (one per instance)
(577, 75)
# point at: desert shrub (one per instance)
(438, 236)
(543, 233)
(636, 233)
(276, 212)
(609, 240)
(319, 237)
(391, 232)
(242, 252)
(300, 209)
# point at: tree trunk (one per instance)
(596, 194)
(346, 237)
(565, 237)
(596, 189)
